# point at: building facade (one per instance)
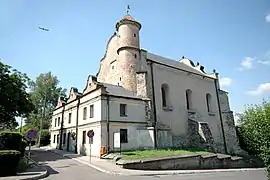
(154, 101)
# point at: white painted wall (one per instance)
(138, 136)
(179, 82)
(135, 109)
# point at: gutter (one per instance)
(154, 106)
(108, 124)
(61, 128)
(220, 117)
(77, 123)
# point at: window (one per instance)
(189, 99)
(112, 67)
(58, 121)
(55, 122)
(91, 111)
(123, 110)
(64, 138)
(57, 141)
(165, 94)
(208, 102)
(83, 137)
(123, 136)
(135, 55)
(54, 137)
(69, 118)
(134, 35)
(84, 113)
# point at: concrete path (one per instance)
(60, 167)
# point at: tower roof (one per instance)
(128, 19)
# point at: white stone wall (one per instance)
(176, 115)
(138, 136)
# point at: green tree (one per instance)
(14, 100)
(44, 92)
(255, 131)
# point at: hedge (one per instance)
(10, 140)
(9, 160)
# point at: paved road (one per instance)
(61, 168)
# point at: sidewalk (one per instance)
(109, 166)
(33, 173)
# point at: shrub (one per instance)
(45, 137)
(254, 131)
(9, 160)
(23, 146)
(10, 140)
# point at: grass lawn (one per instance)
(149, 154)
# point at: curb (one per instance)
(41, 175)
(198, 172)
(160, 173)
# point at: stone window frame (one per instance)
(208, 98)
(59, 119)
(91, 111)
(189, 99)
(84, 113)
(123, 110)
(165, 100)
(69, 117)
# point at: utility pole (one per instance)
(41, 119)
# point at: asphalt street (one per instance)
(60, 168)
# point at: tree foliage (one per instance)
(254, 131)
(44, 92)
(14, 100)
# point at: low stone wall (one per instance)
(190, 162)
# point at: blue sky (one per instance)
(230, 36)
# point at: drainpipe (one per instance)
(220, 117)
(154, 106)
(77, 123)
(61, 128)
(108, 124)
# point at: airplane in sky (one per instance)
(43, 29)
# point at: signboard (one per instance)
(31, 135)
(90, 133)
(116, 140)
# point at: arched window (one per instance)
(208, 102)
(165, 94)
(189, 99)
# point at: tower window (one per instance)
(135, 55)
(134, 35)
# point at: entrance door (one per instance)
(68, 140)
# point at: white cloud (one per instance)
(225, 82)
(260, 90)
(267, 18)
(246, 63)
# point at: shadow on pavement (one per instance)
(43, 156)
